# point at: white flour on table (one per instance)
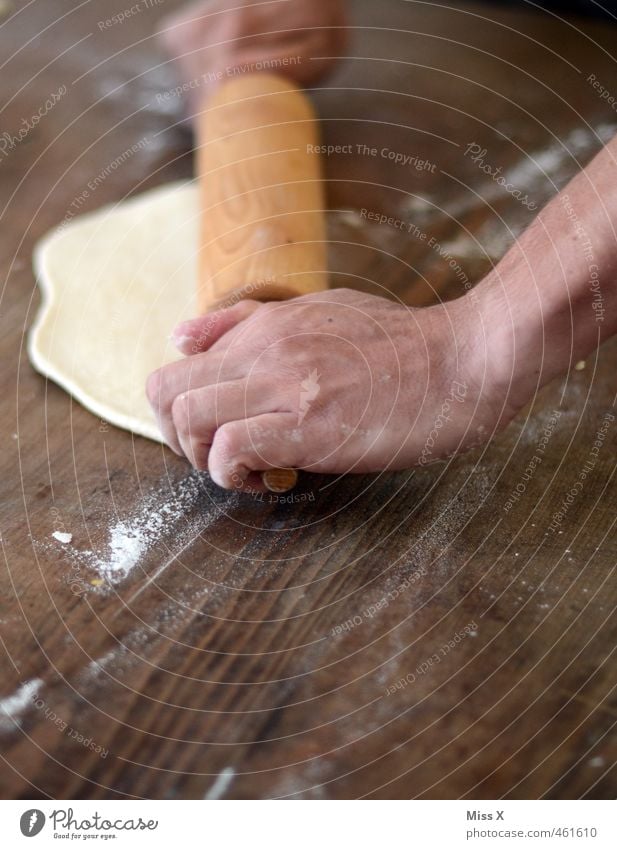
(13, 706)
(180, 511)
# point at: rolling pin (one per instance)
(262, 225)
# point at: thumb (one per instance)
(198, 334)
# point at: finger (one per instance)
(241, 448)
(198, 414)
(164, 385)
(198, 334)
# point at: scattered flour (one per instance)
(164, 512)
(62, 537)
(12, 706)
(221, 784)
(177, 513)
(304, 780)
(539, 172)
(349, 217)
(127, 543)
(347, 225)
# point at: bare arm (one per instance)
(553, 298)
(368, 384)
(396, 386)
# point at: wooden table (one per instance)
(390, 636)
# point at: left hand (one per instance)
(297, 38)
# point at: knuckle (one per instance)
(227, 441)
(180, 414)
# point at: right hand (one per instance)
(332, 382)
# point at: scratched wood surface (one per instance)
(253, 650)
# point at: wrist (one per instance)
(502, 345)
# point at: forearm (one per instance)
(553, 297)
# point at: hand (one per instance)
(332, 382)
(292, 37)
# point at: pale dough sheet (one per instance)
(115, 283)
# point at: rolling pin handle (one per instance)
(280, 480)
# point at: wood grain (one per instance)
(292, 642)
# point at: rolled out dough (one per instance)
(115, 283)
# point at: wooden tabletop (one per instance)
(436, 633)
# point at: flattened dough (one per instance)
(115, 283)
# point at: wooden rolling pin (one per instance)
(262, 226)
